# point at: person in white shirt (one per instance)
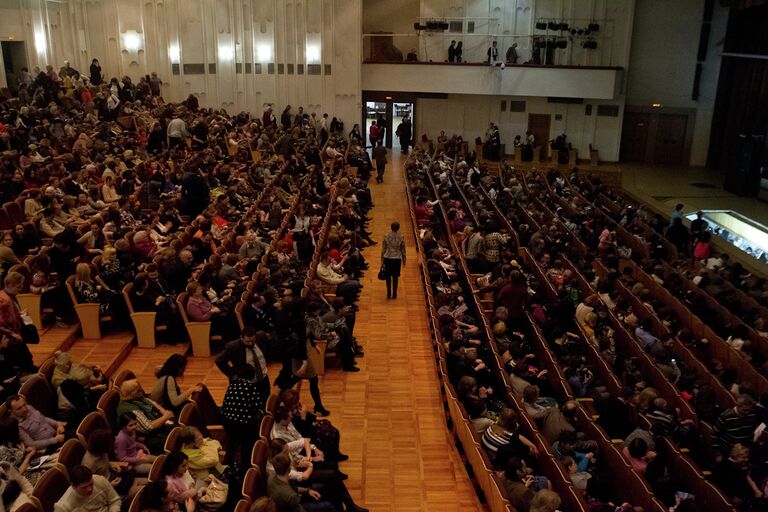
(177, 132)
(88, 492)
(328, 273)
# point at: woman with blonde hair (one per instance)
(89, 377)
(88, 290)
(152, 419)
(205, 454)
(111, 270)
(545, 501)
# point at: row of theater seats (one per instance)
(700, 327)
(718, 348)
(685, 467)
(202, 412)
(636, 490)
(488, 482)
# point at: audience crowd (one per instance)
(553, 300)
(126, 201)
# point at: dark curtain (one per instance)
(741, 106)
(742, 4)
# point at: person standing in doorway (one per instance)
(404, 133)
(380, 155)
(392, 257)
(373, 134)
(381, 124)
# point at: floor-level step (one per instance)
(143, 362)
(53, 339)
(109, 352)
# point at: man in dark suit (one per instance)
(493, 54)
(247, 350)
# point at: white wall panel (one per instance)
(469, 115)
(230, 34)
(515, 81)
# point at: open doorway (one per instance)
(375, 111)
(402, 119)
(14, 58)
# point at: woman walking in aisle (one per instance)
(392, 257)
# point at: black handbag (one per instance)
(382, 273)
(29, 334)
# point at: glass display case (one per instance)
(742, 232)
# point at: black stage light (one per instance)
(594, 27)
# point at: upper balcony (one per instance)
(533, 65)
(513, 80)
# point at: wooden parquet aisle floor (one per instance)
(392, 422)
(402, 457)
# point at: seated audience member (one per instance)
(735, 426)
(545, 501)
(639, 455)
(263, 504)
(308, 473)
(78, 387)
(205, 454)
(473, 398)
(15, 490)
(734, 477)
(534, 406)
(166, 390)
(328, 273)
(14, 453)
(88, 492)
(88, 290)
(521, 485)
(577, 472)
(200, 309)
(99, 459)
(504, 433)
(35, 430)
(320, 431)
(556, 420)
(151, 418)
(286, 497)
(90, 377)
(128, 446)
(181, 485)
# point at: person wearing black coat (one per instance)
(96, 78)
(156, 139)
(195, 192)
(247, 350)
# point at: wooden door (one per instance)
(669, 147)
(538, 125)
(634, 136)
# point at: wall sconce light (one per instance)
(40, 42)
(264, 53)
(313, 53)
(174, 53)
(131, 41)
(226, 52)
